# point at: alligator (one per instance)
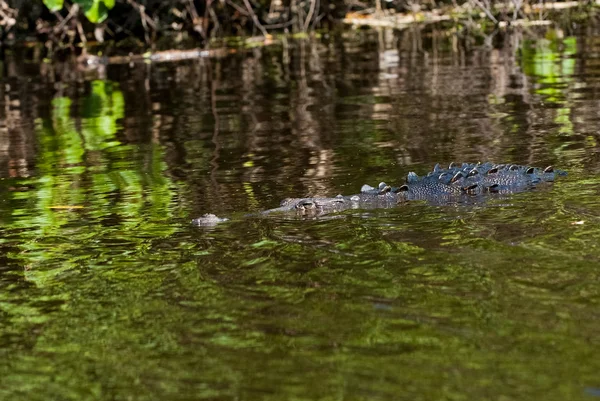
(456, 184)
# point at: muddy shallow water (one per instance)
(107, 292)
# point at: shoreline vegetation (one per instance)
(124, 31)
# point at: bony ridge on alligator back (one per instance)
(440, 186)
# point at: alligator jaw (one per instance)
(311, 206)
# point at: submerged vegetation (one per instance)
(81, 23)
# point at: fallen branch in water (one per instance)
(399, 21)
(525, 23)
(89, 60)
(394, 21)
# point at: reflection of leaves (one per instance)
(100, 111)
(550, 61)
(553, 64)
(82, 164)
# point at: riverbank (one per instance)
(117, 32)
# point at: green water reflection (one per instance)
(108, 293)
(552, 63)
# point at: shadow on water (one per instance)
(107, 292)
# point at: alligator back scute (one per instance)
(508, 178)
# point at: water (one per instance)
(107, 292)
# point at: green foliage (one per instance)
(94, 10)
(54, 5)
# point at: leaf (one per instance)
(55, 5)
(96, 10)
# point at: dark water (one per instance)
(107, 292)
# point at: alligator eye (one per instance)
(305, 205)
(457, 177)
(492, 171)
(549, 169)
(530, 170)
(383, 188)
(403, 188)
(451, 165)
(473, 173)
(514, 167)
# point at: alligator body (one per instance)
(455, 184)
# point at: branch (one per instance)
(146, 20)
(255, 19)
(486, 11)
(311, 11)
